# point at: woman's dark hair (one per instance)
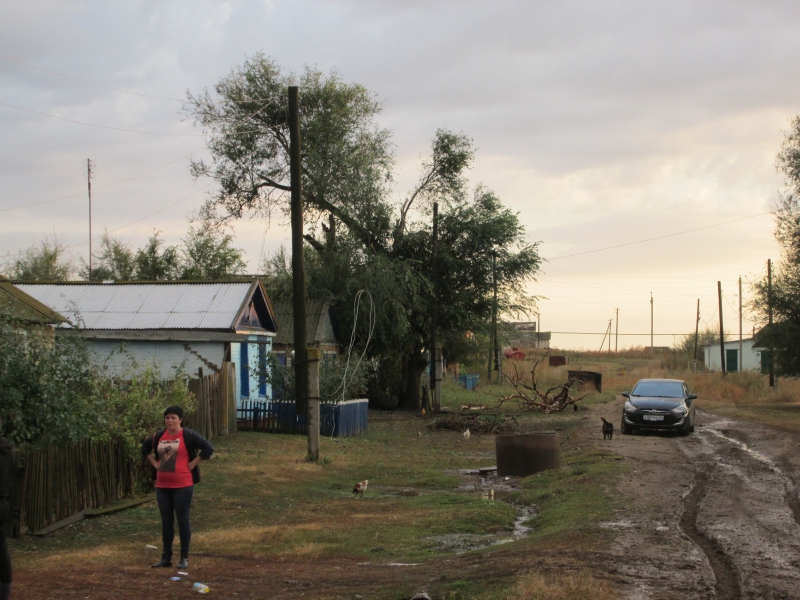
(174, 410)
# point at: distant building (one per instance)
(320, 330)
(173, 325)
(753, 358)
(527, 336)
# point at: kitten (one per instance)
(608, 429)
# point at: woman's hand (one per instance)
(151, 459)
(193, 463)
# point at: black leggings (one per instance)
(5, 559)
(175, 502)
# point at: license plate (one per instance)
(653, 417)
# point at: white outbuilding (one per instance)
(750, 359)
(187, 326)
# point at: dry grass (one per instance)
(578, 585)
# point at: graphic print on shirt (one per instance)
(168, 452)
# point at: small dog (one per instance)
(608, 429)
(360, 488)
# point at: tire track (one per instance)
(727, 580)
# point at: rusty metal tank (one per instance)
(524, 454)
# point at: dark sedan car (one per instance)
(659, 404)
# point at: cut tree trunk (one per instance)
(413, 367)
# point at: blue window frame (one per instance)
(244, 370)
(262, 369)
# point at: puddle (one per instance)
(465, 542)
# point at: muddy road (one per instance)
(712, 515)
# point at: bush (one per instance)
(338, 380)
(51, 392)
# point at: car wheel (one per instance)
(687, 427)
(625, 428)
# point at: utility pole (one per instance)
(298, 265)
(89, 181)
(616, 336)
(494, 323)
(721, 331)
(605, 333)
(651, 323)
(435, 356)
(313, 403)
(696, 331)
(769, 324)
(741, 357)
(538, 330)
(495, 348)
(609, 335)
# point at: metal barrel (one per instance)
(523, 454)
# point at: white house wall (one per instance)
(166, 356)
(252, 359)
(751, 356)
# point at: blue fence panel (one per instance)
(337, 420)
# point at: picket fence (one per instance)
(342, 419)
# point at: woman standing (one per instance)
(175, 453)
(7, 467)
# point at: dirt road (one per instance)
(712, 515)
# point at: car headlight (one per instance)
(629, 407)
(680, 410)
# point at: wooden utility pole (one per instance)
(89, 181)
(651, 323)
(609, 335)
(313, 403)
(741, 357)
(721, 331)
(435, 352)
(538, 330)
(298, 265)
(616, 335)
(769, 324)
(696, 329)
(495, 348)
(492, 331)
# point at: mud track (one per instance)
(712, 515)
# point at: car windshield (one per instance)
(659, 389)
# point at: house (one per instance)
(527, 335)
(753, 358)
(320, 329)
(174, 325)
(35, 316)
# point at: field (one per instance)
(267, 523)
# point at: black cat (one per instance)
(608, 429)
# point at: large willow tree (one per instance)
(360, 238)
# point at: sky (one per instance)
(600, 124)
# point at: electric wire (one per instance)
(102, 187)
(660, 237)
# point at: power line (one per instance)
(108, 87)
(102, 187)
(660, 237)
(101, 126)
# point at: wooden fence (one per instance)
(342, 419)
(216, 403)
(58, 481)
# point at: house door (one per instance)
(731, 360)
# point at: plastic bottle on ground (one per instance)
(201, 588)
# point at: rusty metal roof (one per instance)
(26, 308)
(162, 305)
(319, 327)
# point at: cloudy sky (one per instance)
(602, 124)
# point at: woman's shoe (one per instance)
(166, 561)
(184, 563)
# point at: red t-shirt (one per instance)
(173, 470)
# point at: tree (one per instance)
(208, 254)
(154, 263)
(364, 240)
(46, 262)
(115, 261)
(785, 296)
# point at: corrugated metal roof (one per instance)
(284, 319)
(22, 306)
(168, 305)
